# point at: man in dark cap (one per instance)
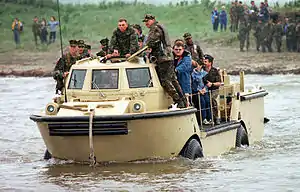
(64, 64)
(194, 49)
(160, 46)
(89, 50)
(82, 51)
(213, 81)
(103, 48)
(124, 41)
(139, 32)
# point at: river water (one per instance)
(270, 165)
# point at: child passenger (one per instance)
(199, 90)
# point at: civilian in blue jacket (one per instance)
(215, 19)
(223, 19)
(183, 68)
(200, 91)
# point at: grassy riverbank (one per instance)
(93, 22)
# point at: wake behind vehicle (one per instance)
(118, 111)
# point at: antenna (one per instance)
(61, 43)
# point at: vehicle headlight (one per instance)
(138, 106)
(52, 108)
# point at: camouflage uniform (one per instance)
(36, 31)
(298, 36)
(291, 37)
(278, 33)
(259, 36)
(103, 52)
(267, 32)
(240, 15)
(244, 30)
(235, 17)
(63, 65)
(158, 41)
(195, 50)
(125, 42)
(232, 17)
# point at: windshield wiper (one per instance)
(96, 86)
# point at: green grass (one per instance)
(93, 22)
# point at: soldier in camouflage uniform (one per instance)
(124, 41)
(244, 33)
(267, 33)
(240, 14)
(291, 36)
(235, 11)
(195, 50)
(159, 43)
(104, 48)
(231, 14)
(64, 64)
(258, 34)
(298, 35)
(82, 51)
(278, 33)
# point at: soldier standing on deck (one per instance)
(64, 64)
(194, 49)
(124, 41)
(160, 45)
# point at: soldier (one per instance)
(160, 46)
(258, 33)
(244, 30)
(267, 33)
(231, 14)
(291, 36)
(278, 33)
(89, 50)
(235, 16)
(298, 35)
(124, 41)
(63, 66)
(82, 51)
(36, 29)
(103, 48)
(254, 7)
(139, 32)
(240, 13)
(194, 49)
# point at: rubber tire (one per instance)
(241, 137)
(47, 155)
(193, 150)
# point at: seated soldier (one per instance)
(124, 41)
(183, 68)
(89, 50)
(82, 51)
(213, 81)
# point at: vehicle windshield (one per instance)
(139, 77)
(77, 79)
(105, 79)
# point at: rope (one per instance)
(92, 156)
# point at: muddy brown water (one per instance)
(270, 165)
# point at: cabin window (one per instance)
(105, 79)
(139, 77)
(77, 79)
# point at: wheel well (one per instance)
(195, 136)
(244, 125)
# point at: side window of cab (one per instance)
(139, 77)
(77, 79)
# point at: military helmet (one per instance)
(187, 36)
(104, 41)
(73, 42)
(148, 17)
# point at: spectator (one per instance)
(183, 68)
(215, 19)
(17, 28)
(36, 29)
(200, 91)
(43, 31)
(53, 25)
(223, 19)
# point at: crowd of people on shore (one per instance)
(267, 26)
(42, 31)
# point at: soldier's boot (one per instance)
(241, 46)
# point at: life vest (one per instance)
(20, 26)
